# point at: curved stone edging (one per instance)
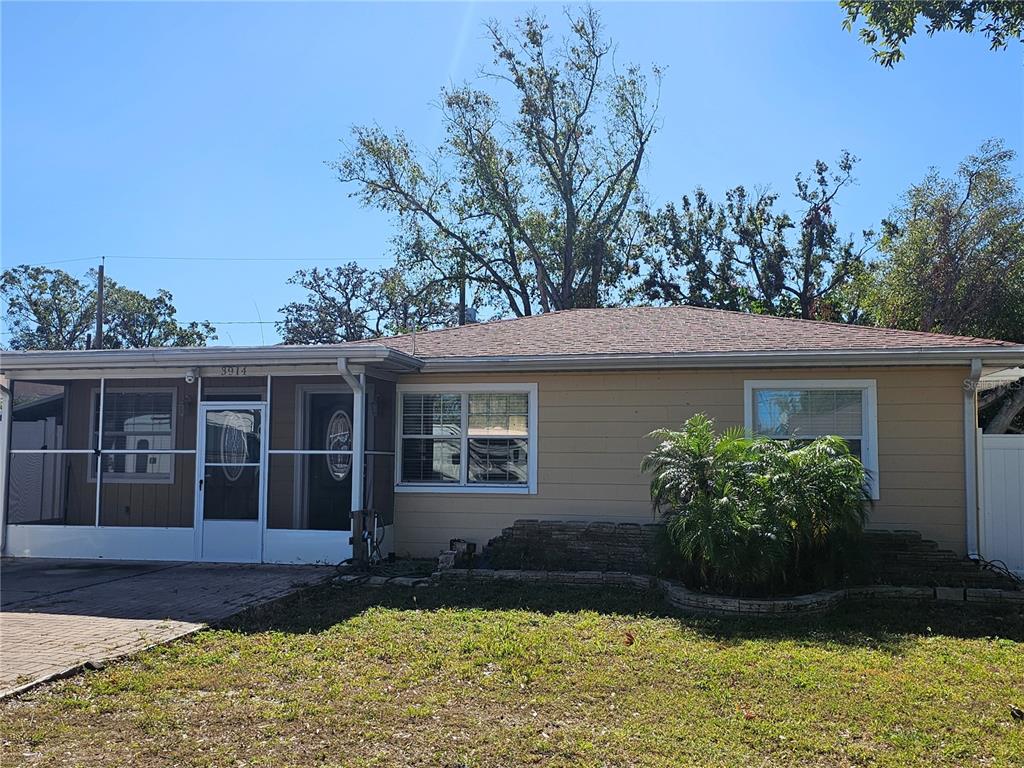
(720, 605)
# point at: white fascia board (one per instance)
(176, 361)
(778, 359)
(307, 359)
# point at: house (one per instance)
(260, 453)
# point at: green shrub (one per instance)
(753, 514)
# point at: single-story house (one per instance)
(261, 453)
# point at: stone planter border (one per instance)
(700, 603)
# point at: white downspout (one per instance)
(358, 386)
(971, 456)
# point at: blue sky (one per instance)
(199, 131)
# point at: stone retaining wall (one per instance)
(889, 557)
(575, 546)
(701, 603)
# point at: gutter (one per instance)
(178, 360)
(776, 359)
(177, 357)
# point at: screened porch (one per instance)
(213, 464)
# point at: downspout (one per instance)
(971, 457)
(6, 426)
(358, 386)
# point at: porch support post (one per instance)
(265, 475)
(197, 512)
(6, 425)
(971, 457)
(99, 452)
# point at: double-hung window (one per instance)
(135, 422)
(467, 438)
(805, 410)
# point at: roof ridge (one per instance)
(496, 321)
(837, 324)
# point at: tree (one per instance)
(533, 210)
(952, 259)
(47, 308)
(952, 253)
(50, 309)
(137, 321)
(894, 22)
(744, 255)
(691, 258)
(350, 302)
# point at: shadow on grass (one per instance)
(885, 626)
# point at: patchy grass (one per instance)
(510, 676)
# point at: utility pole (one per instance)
(98, 340)
(462, 287)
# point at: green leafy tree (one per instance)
(50, 309)
(743, 254)
(692, 257)
(952, 260)
(47, 308)
(531, 197)
(886, 26)
(350, 302)
(136, 321)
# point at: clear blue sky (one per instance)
(201, 130)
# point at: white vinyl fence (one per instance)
(1002, 500)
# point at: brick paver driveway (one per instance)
(56, 615)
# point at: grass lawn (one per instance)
(510, 676)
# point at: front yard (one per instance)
(507, 676)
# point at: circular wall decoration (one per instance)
(234, 448)
(339, 438)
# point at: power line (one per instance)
(307, 259)
(63, 261)
(211, 322)
(254, 258)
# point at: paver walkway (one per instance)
(56, 615)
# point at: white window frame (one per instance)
(139, 478)
(869, 413)
(234, 394)
(464, 486)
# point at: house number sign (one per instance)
(233, 370)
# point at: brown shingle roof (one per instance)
(663, 330)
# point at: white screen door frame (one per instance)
(227, 540)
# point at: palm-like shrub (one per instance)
(752, 513)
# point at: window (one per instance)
(467, 438)
(804, 410)
(135, 422)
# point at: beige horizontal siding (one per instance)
(592, 435)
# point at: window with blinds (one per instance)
(804, 414)
(807, 409)
(135, 423)
(465, 439)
